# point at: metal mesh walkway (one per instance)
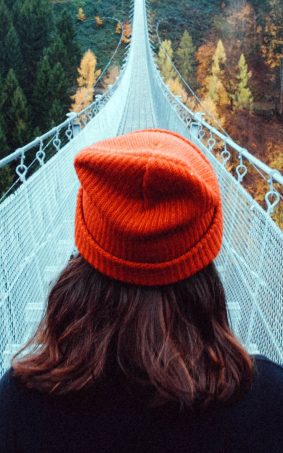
(36, 221)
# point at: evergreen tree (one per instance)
(243, 99)
(164, 63)
(67, 33)
(56, 113)
(42, 97)
(14, 57)
(35, 25)
(185, 57)
(16, 112)
(5, 25)
(57, 52)
(6, 178)
(58, 88)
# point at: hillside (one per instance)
(253, 29)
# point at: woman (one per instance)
(135, 353)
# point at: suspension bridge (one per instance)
(37, 213)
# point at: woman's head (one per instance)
(143, 294)
(175, 337)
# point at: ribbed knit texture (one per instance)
(149, 208)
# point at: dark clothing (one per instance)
(109, 417)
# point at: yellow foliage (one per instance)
(81, 15)
(82, 98)
(86, 80)
(204, 56)
(87, 72)
(177, 89)
(127, 32)
(99, 22)
(208, 105)
(118, 29)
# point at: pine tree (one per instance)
(86, 80)
(243, 99)
(67, 33)
(185, 57)
(16, 112)
(42, 96)
(5, 25)
(35, 27)
(58, 87)
(56, 113)
(14, 57)
(164, 63)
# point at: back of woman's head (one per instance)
(175, 338)
(143, 295)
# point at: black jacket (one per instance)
(109, 418)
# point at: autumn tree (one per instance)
(177, 89)
(216, 90)
(127, 33)
(164, 63)
(81, 14)
(185, 57)
(272, 48)
(99, 22)
(204, 56)
(118, 29)
(88, 75)
(242, 98)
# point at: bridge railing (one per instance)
(37, 217)
(250, 262)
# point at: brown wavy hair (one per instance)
(175, 338)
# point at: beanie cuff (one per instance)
(149, 274)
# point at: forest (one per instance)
(230, 52)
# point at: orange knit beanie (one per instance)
(149, 208)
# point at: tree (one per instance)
(14, 105)
(118, 29)
(99, 22)
(164, 63)
(272, 48)
(35, 27)
(14, 57)
(177, 89)
(81, 14)
(67, 33)
(243, 99)
(5, 25)
(204, 56)
(42, 96)
(185, 57)
(216, 90)
(86, 80)
(127, 33)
